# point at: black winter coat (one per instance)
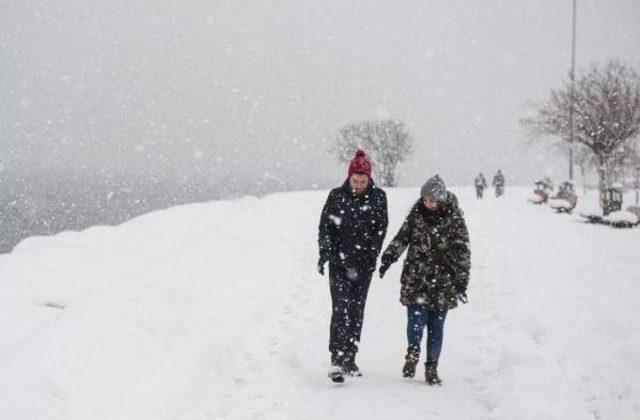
(352, 227)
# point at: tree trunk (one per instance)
(602, 178)
(386, 174)
(387, 177)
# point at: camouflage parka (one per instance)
(438, 258)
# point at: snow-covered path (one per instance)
(215, 311)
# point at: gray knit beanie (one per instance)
(435, 188)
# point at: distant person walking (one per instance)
(352, 228)
(481, 184)
(498, 183)
(435, 273)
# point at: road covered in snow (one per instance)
(215, 310)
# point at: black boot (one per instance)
(431, 373)
(336, 373)
(410, 363)
(349, 367)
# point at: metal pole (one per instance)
(637, 186)
(572, 77)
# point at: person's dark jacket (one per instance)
(436, 269)
(352, 227)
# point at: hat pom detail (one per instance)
(360, 164)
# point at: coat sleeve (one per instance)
(382, 221)
(460, 250)
(326, 229)
(397, 246)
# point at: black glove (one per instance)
(385, 264)
(383, 268)
(461, 292)
(321, 263)
(462, 297)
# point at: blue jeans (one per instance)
(417, 318)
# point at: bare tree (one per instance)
(606, 107)
(387, 142)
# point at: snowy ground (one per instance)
(215, 311)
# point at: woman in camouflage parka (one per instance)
(435, 272)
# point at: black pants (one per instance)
(349, 288)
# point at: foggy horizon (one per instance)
(263, 88)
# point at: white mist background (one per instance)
(246, 92)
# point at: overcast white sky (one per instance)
(257, 89)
